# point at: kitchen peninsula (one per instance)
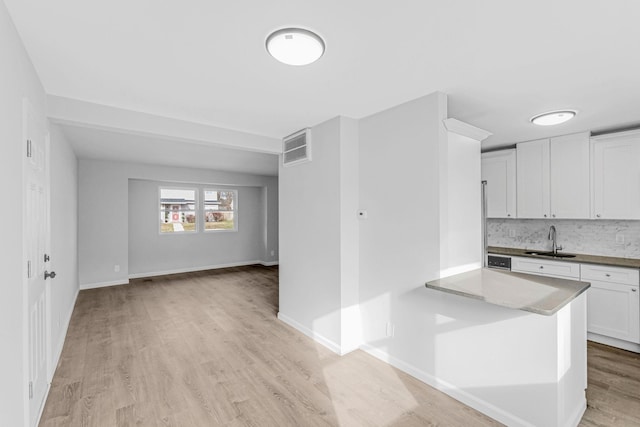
(528, 360)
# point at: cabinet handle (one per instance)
(545, 215)
(608, 275)
(508, 214)
(633, 290)
(542, 266)
(598, 216)
(554, 215)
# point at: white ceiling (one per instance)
(500, 61)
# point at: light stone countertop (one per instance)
(579, 258)
(536, 294)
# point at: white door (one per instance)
(36, 239)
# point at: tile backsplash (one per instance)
(593, 237)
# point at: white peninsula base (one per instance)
(519, 367)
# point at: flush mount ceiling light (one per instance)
(295, 46)
(553, 117)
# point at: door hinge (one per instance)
(30, 389)
(28, 269)
(46, 258)
(29, 149)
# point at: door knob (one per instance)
(49, 275)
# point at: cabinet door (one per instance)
(499, 170)
(612, 310)
(616, 176)
(532, 171)
(569, 176)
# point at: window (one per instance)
(178, 210)
(220, 210)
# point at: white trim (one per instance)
(57, 354)
(453, 391)
(578, 413)
(203, 268)
(63, 333)
(613, 342)
(103, 284)
(269, 263)
(311, 334)
(465, 129)
(43, 404)
(621, 134)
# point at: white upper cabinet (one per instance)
(569, 177)
(553, 177)
(616, 176)
(499, 170)
(533, 179)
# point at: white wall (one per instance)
(400, 241)
(461, 210)
(310, 294)
(18, 79)
(64, 237)
(318, 235)
(351, 331)
(103, 239)
(151, 252)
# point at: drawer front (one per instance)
(603, 273)
(567, 270)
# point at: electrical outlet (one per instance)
(116, 268)
(620, 239)
(390, 330)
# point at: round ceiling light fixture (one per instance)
(295, 46)
(551, 118)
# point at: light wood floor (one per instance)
(206, 349)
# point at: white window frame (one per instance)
(235, 210)
(196, 209)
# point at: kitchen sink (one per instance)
(550, 254)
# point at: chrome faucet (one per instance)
(552, 236)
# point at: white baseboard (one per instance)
(578, 413)
(614, 342)
(269, 263)
(202, 268)
(57, 352)
(311, 334)
(42, 405)
(63, 333)
(453, 391)
(103, 284)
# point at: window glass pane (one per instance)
(219, 209)
(177, 210)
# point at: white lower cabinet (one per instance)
(613, 301)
